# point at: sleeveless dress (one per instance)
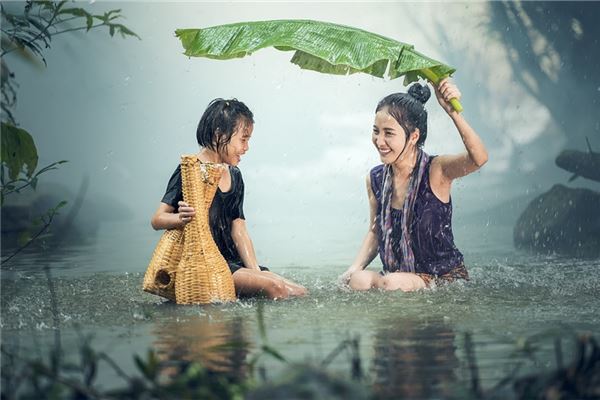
(436, 256)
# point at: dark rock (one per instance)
(584, 164)
(563, 221)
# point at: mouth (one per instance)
(384, 153)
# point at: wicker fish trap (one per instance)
(203, 275)
(186, 266)
(160, 275)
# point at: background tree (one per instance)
(28, 30)
(553, 50)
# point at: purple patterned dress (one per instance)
(432, 241)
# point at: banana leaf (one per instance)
(318, 46)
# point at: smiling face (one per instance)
(238, 145)
(389, 137)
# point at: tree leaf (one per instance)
(318, 46)
(78, 12)
(18, 151)
(126, 31)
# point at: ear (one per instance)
(414, 136)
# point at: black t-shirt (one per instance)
(225, 208)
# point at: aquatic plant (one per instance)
(57, 376)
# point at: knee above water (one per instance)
(277, 290)
(360, 280)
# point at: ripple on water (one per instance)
(506, 300)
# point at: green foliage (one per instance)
(30, 33)
(54, 377)
(19, 160)
(57, 378)
(318, 46)
(40, 21)
(18, 151)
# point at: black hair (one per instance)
(408, 109)
(219, 122)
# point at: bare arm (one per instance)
(368, 249)
(165, 216)
(243, 243)
(456, 166)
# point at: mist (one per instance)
(122, 111)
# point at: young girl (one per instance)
(409, 196)
(223, 135)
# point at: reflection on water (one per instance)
(411, 342)
(217, 343)
(414, 359)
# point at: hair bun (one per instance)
(420, 92)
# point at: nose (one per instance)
(379, 141)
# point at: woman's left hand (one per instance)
(445, 91)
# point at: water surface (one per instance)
(414, 343)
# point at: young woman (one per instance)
(223, 134)
(409, 196)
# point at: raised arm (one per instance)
(368, 249)
(456, 166)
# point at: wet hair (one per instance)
(220, 121)
(409, 110)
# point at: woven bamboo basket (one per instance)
(202, 275)
(160, 275)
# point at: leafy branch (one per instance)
(42, 20)
(45, 221)
(29, 32)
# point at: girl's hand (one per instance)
(445, 91)
(185, 212)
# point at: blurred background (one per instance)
(122, 111)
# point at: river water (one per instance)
(410, 344)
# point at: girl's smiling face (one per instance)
(238, 145)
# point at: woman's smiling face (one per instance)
(388, 136)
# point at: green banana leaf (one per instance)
(319, 46)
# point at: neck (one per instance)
(405, 164)
(208, 155)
